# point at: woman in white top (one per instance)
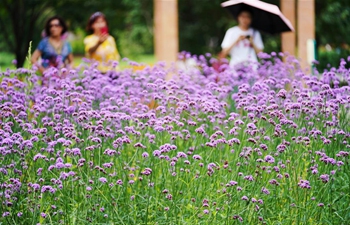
(242, 42)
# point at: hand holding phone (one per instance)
(104, 35)
(104, 30)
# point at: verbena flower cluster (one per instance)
(265, 146)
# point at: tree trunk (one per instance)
(20, 55)
(22, 15)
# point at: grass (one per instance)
(6, 60)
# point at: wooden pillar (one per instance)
(306, 28)
(166, 34)
(289, 38)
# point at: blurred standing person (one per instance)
(242, 42)
(99, 45)
(53, 49)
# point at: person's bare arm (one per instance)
(101, 39)
(35, 57)
(225, 51)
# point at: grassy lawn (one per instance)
(6, 61)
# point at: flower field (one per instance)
(266, 146)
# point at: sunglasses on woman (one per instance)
(55, 25)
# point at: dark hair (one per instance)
(61, 21)
(245, 9)
(93, 19)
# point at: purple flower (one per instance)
(251, 126)
(211, 165)
(103, 180)
(169, 196)
(274, 182)
(249, 177)
(324, 178)
(304, 184)
(200, 130)
(145, 155)
(181, 155)
(232, 183)
(157, 153)
(107, 165)
(147, 171)
(245, 198)
(119, 182)
(340, 163)
(269, 159)
(282, 94)
(139, 145)
(265, 191)
(197, 157)
(263, 147)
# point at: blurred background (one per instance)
(202, 26)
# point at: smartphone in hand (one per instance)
(104, 30)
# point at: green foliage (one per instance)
(138, 28)
(272, 43)
(328, 59)
(130, 22)
(19, 22)
(77, 42)
(29, 55)
(202, 24)
(5, 60)
(332, 22)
